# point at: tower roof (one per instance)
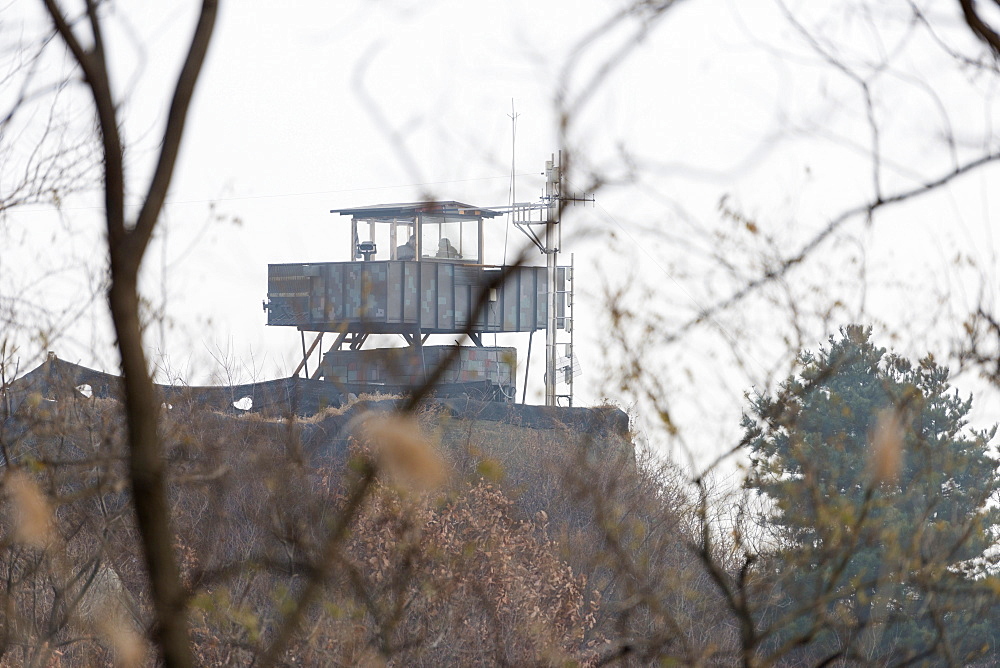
(412, 208)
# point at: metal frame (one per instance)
(549, 243)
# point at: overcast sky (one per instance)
(305, 107)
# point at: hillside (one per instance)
(469, 532)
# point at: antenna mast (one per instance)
(513, 115)
(559, 291)
(553, 191)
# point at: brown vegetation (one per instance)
(477, 550)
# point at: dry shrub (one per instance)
(352, 401)
(458, 581)
(68, 558)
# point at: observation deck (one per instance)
(415, 269)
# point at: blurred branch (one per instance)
(979, 27)
(789, 263)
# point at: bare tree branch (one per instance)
(979, 27)
(126, 248)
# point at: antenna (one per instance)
(528, 217)
(513, 116)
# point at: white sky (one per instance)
(305, 107)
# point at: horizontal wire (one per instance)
(271, 196)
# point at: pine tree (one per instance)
(877, 497)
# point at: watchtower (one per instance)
(415, 270)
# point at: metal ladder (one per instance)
(567, 366)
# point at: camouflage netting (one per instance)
(58, 380)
